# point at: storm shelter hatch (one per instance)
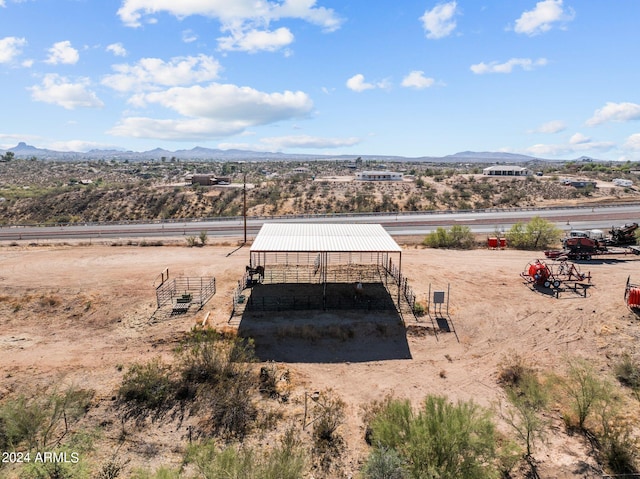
(325, 255)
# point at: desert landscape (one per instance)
(82, 314)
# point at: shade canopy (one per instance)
(323, 237)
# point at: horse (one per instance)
(259, 270)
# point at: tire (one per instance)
(547, 284)
(556, 284)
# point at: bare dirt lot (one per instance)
(81, 314)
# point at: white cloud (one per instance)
(542, 17)
(508, 66)
(63, 52)
(438, 22)
(416, 79)
(117, 49)
(248, 16)
(555, 126)
(633, 142)
(579, 139)
(253, 41)
(306, 141)
(150, 73)
(217, 110)
(233, 103)
(60, 91)
(578, 144)
(615, 112)
(10, 48)
(189, 36)
(176, 129)
(357, 83)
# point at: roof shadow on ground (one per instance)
(363, 333)
(326, 337)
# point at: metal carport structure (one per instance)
(322, 253)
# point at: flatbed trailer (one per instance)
(590, 253)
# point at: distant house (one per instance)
(506, 170)
(378, 176)
(209, 179)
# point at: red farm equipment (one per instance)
(585, 245)
(632, 296)
(556, 276)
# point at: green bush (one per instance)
(456, 237)
(537, 233)
(441, 440)
(585, 389)
(40, 422)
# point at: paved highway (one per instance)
(422, 223)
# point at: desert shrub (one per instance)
(269, 380)
(40, 422)
(512, 369)
(456, 237)
(627, 371)
(528, 398)
(111, 469)
(212, 377)
(50, 301)
(617, 445)
(286, 460)
(231, 462)
(419, 309)
(217, 373)
(441, 440)
(328, 412)
(147, 390)
(584, 389)
(384, 464)
(537, 233)
(72, 467)
(191, 241)
(229, 408)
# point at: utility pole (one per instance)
(244, 205)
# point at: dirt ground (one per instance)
(80, 314)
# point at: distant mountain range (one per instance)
(22, 150)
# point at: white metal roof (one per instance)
(316, 237)
(505, 168)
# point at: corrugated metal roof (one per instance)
(316, 237)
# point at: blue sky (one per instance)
(550, 78)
